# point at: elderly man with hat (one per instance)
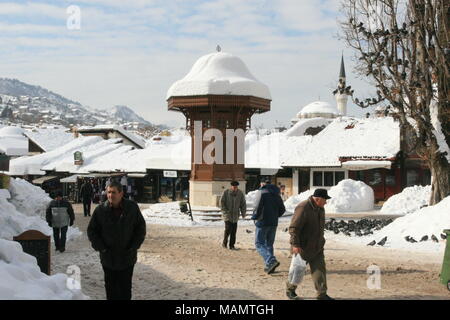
(232, 203)
(307, 239)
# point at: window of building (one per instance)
(390, 178)
(374, 178)
(412, 178)
(328, 178)
(338, 176)
(317, 179)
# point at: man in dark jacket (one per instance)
(232, 203)
(86, 195)
(59, 216)
(270, 208)
(117, 229)
(307, 239)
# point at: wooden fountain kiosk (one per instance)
(218, 93)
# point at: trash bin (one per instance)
(445, 272)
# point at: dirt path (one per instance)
(189, 263)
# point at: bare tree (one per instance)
(403, 47)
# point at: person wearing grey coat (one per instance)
(232, 204)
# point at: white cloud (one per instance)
(132, 53)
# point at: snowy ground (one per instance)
(181, 259)
(188, 262)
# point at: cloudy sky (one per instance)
(117, 52)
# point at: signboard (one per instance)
(170, 174)
(78, 158)
(37, 244)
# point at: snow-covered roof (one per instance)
(375, 138)
(105, 127)
(11, 132)
(219, 73)
(50, 138)
(318, 107)
(344, 137)
(13, 142)
(303, 124)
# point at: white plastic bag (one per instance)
(296, 270)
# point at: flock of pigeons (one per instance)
(365, 226)
(361, 227)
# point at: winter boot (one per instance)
(290, 291)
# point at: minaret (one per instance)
(342, 92)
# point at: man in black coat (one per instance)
(86, 194)
(59, 216)
(270, 208)
(117, 229)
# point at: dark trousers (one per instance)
(87, 207)
(59, 236)
(230, 230)
(319, 274)
(118, 283)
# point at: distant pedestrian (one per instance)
(60, 216)
(86, 195)
(270, 208)
(307, 239)
(283, 193)
(117, 229)
(232, 204)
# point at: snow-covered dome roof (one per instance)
(317, 108)
(11, 132)
(219, 73)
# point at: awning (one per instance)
(136, 175)
(43, 179)
(366, 165)
(70, 179)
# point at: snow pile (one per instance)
(350, 196)
(13, 222)
(27, 198)
(293, 201)
(22, 279)
(222, 74)
(23, 208)
(347, 196)
(409, 200)
(427, 221)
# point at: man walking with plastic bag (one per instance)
(59, 216)
(307, 241)
(270, 208)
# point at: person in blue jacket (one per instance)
(266, 214)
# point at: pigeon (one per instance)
(372, 243)
(424, 238)
(248, 231)
(443, 236)
(434, 238)
(382, 241)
